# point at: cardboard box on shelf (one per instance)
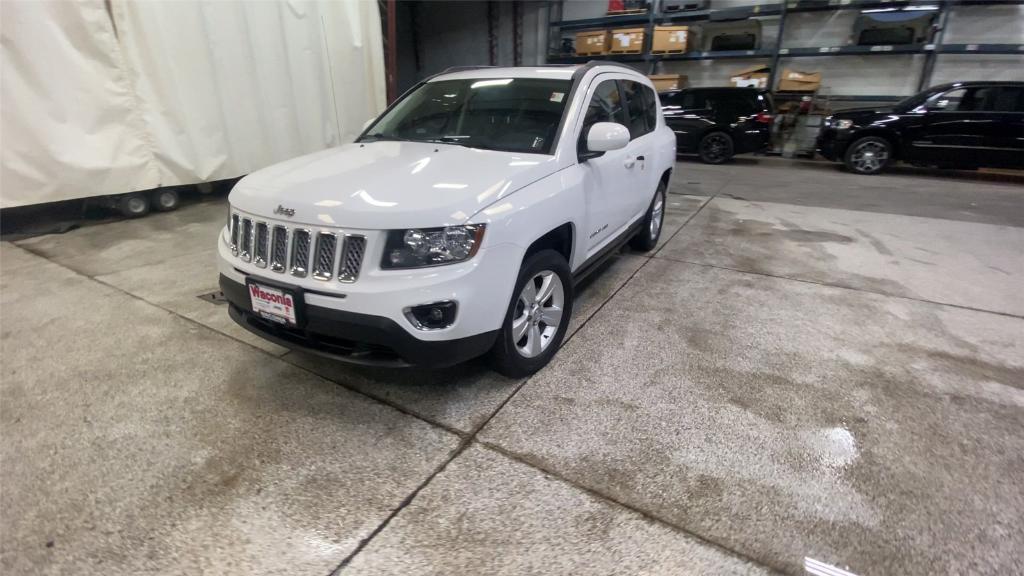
(667, 82)
(754, 77)
(796, 81)
(671, 40)
(627, 41)
(592, 42)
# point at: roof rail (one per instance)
(461, 69)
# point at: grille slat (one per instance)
(259, 254)
(245, 249)
(279, 249)
(351, 258)
(323, 262)
(300, 253)
(234, 235)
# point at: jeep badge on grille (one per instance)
(284, 211)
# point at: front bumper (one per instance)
(830, 145)
(353, 337)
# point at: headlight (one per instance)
(842, 124)
(419, 247)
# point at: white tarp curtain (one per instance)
(154, 94)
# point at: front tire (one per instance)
(715, 148)
(537, 317)
(647, 237)
(869, 155)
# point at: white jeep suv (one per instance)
(457, 224)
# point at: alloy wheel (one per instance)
(657, 213)
(716, 147)
(538, 314)
(870, 157)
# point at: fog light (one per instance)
(432, 316)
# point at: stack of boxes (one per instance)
(667, 40)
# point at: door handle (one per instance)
(640, 158)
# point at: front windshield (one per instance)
(510, 114)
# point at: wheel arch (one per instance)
(560, 239)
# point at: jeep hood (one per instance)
(387, 185)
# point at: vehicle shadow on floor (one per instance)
(464, 396)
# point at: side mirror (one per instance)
(940, 104)
(605, 136)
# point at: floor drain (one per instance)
(216, 297)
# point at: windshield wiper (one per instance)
(461, 141)
(378, 137)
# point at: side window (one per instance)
(693, 101)
(1009, 99)
(605, 106)
(650, 108)
(964, 100)
(637, 111)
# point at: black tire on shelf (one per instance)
(165, 199)
(507, 356)
(715, 148)
(647, 237)
(134, 205)
(869, 155)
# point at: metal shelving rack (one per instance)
(777, 52)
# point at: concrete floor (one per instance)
(813, 365)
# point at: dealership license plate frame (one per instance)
(296, 293)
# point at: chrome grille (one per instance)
(300, 253)
(351, 258)
(297, 251)
(323, 262)
(279, 249)
(234, 234)
(259, 253)
(245, 247)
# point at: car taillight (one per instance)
(763, 118)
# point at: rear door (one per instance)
(642, 117)
(1004, 145)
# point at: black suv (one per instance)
(959, 125)
(717, 123)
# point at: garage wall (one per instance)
(435, 35)
(896, 75)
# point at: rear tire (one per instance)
(526, 343)
(868, 155)
(165, 200)
(133, 205)
(647, 237)
(715, 148)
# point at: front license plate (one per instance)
(273, 304)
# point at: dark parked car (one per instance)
(717, 123)
(959, 125)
